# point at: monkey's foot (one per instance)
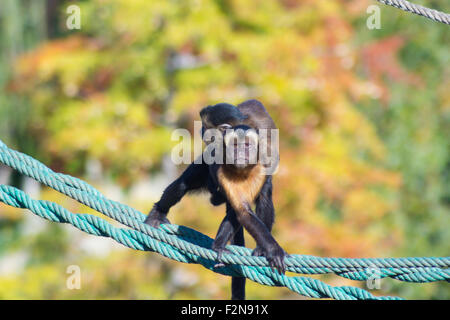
(220, 251)
(156, 218)
(275, 256)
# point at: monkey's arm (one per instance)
(194, 177)
(269, 247)
(264, 210)
(264, 204)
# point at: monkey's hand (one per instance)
(155, 218)
(274, 254)
(258, 251)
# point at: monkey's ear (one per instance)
(203, 111)
(204, 115)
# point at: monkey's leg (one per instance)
(264, 210)
(231, 229)
(257, 229)
(227, 229)
(194, 177)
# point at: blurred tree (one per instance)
(22, 27)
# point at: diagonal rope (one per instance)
(190, 246)
(419, 10)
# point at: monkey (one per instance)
(239, 184)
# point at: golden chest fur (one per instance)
(241, 187)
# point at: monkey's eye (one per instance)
(224, 127)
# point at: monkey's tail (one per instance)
(238, 283)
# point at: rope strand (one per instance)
(419, 10)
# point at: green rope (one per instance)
(187, 245)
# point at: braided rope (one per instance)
(136, 240)
(419, 10)
(187, 245)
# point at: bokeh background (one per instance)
(364, 118)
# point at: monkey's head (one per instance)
(239, 141)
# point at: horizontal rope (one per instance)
(419, 10)
(136, 240)
(187, 245)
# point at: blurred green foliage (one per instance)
(364, 118)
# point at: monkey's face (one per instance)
(223, 128)
(241, 146)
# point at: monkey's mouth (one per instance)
(242, 154)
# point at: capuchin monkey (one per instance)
(240, 178)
